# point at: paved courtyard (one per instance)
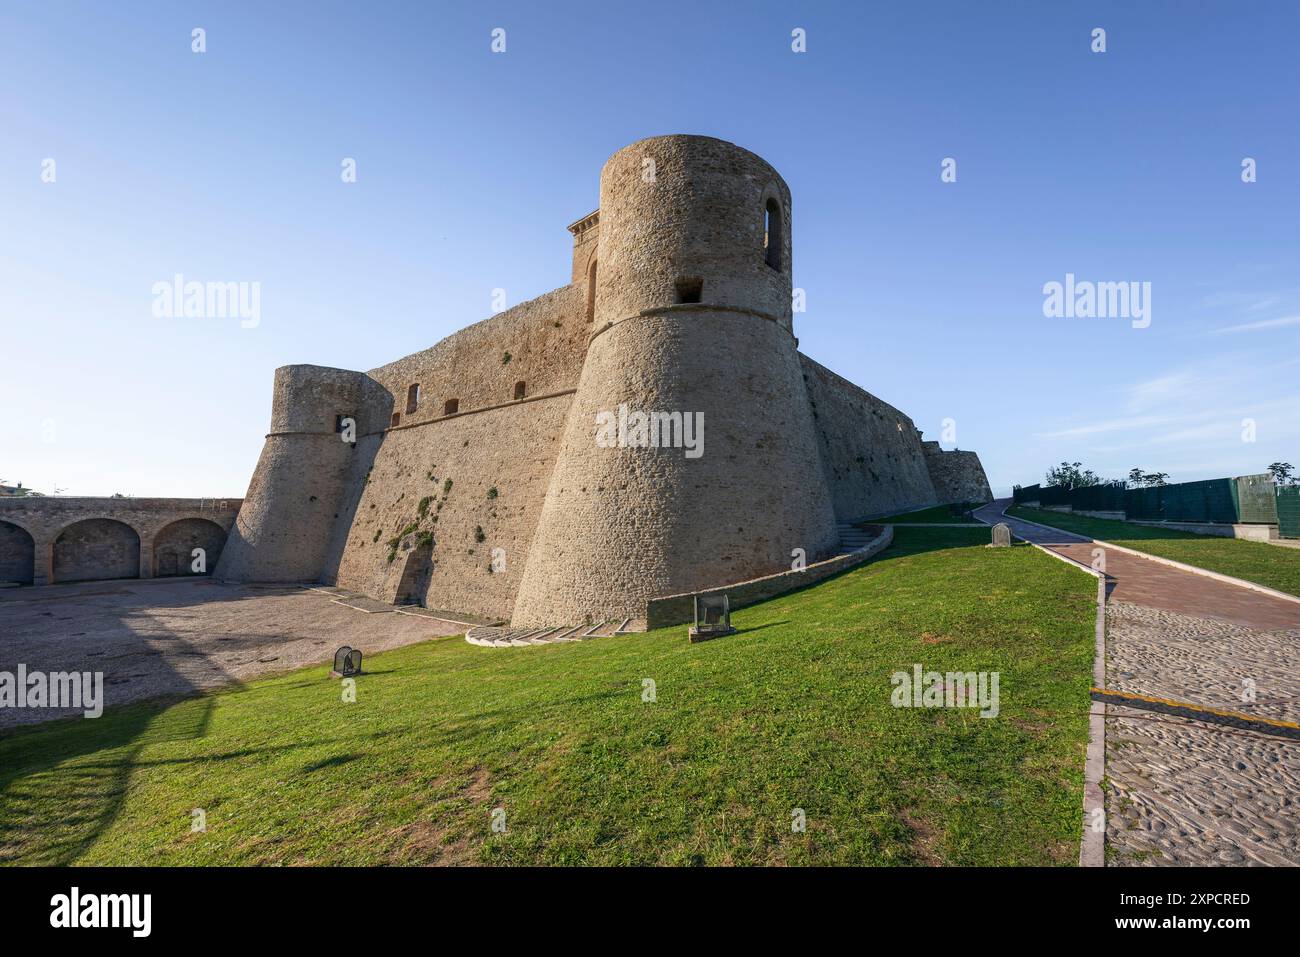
(179, 636)
(1182, 791)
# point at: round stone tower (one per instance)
(284, 525)
(691, 333)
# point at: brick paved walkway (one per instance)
(1182, 791)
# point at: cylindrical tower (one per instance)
(692, 327)
(284, 524)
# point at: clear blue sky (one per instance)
(1122, 166)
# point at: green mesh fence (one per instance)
(1210, 501)
(1287, 502)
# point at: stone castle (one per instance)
(541, 467)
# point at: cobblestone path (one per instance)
(1179, 791)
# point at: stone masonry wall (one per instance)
(480, 474)
(958, 476)
(492, 442)
(870, 451)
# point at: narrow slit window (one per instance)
(591, 291)
(772, 234)
(520, 390)
(396, 420)
(451, 407)
(412, 398)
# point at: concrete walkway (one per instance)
(1188, 792)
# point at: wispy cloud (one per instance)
(1257, 326)
(1110, 425)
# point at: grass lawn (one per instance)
(939, 515)
(1268, 565)
(791, 712)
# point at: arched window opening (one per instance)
(412, 398)
(520, 390)
(591, 290)
(772, 234)
(451, 407)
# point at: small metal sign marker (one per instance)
(712, 618)
(347, 662)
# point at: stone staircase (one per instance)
(504, 636)
(853, 538)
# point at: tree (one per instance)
(1283, 473)
(1070, 475)
(1153, 479)
(1135, 478)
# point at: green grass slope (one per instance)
(793, 712)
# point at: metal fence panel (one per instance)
(1287, 501)
(1256, 499)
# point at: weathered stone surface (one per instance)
(675, 306)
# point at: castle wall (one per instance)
(958, 476)
(510, 450)
(493, 442)
(870, 451)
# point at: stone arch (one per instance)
(417, 568)
(95, 549)
(173, 547)
(17, 554)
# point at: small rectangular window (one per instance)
(396, 420)
(451, 407)
(690, 289)
(412, 398)
(520, 390)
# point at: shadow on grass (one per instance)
(93, 760)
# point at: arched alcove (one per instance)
(173, 547)
(96, 549)
(17, 554)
